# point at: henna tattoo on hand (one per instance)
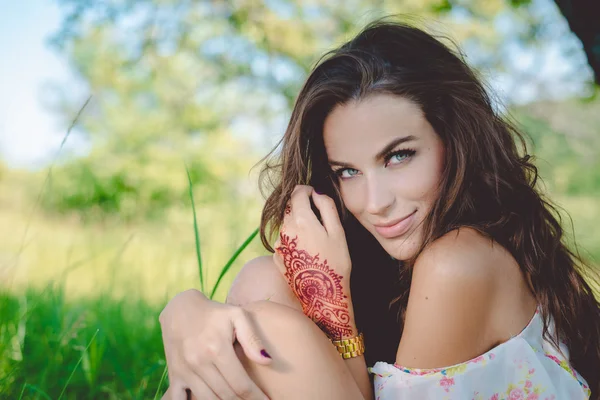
(318, 288)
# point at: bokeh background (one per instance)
(119, 118)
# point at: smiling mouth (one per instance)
(395, 228)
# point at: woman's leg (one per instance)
(305, 363)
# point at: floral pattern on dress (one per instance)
(526, 367)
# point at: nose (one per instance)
(380, 197)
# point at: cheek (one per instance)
(424, 186)
(426, 177)
(351, 198)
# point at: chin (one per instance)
(402, 248)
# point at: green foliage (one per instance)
(130, 186)
(145, 183)
(563, 137)
(165, 75)
(95, 348)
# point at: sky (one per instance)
(30, 133)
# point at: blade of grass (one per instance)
(196, 233)
(232, 260)
(162, 378)
(22, 391)
(46, 182)
(148, 373)
(37, 390)
(77, 365)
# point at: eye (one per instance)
(346, 173)
(399, 156)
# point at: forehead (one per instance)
(362, 128)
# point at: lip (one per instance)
(395, 228)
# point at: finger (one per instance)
(199, 389)
(287, 215)
(282, 232)
(329, 214)
(237, 377)
(248, 338)
(176, 388)
(285, 224)
(301, 211)
(191, 396)
(214, 379)
(170, 393)
(175, 392)
(302, 188)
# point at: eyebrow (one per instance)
(379, 156)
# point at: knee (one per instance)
(275, 317)
(280, 325)
(291, 338)
(301, 353)
(277, 326)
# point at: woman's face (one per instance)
(389, 161)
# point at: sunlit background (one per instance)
(113, 114)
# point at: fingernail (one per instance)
(264, 353)
(317, 192)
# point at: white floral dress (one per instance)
(526, 367)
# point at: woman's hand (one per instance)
(315, 261)
(198, 337)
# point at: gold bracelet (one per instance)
(350, 348)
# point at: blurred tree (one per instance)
(167, 76)
(566, 143)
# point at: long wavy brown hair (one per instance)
(489, 183)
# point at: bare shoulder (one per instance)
(462, 248)
(462, 263)
(455, 290)
(259, 279)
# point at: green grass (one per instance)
(56, 345)
(79, 303)
(93, 348)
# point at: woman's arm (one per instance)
(198, 333)
(260, 280)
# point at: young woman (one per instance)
(410, 226)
